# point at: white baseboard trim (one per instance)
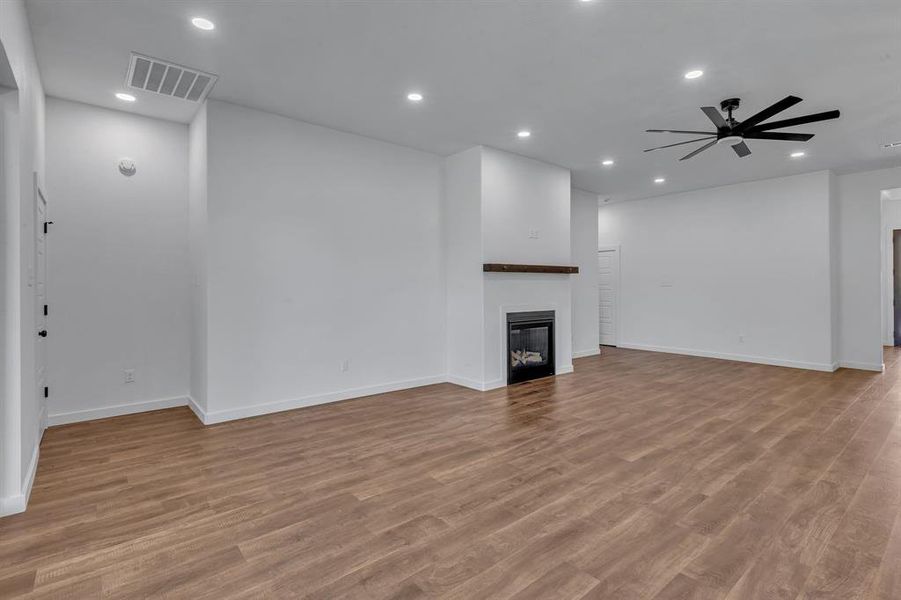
(465, 382)
(878, 367)
(584, 353)
(11, 505)
(199, 412)
(118, 410)
(494, 385)
(761, 360)
(265, 408)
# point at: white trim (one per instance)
(584, 353)
(11, 505)
(219, 416)
(564, 370)
(847, 364)
(619, 284)
(466, 382)
(199, 412)
(762, 360)
(103, 412)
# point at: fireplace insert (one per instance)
(530, 345)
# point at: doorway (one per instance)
(608, 295)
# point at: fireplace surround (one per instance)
(530, 345)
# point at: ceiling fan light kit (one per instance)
(731, 132)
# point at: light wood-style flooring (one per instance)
(641, 475)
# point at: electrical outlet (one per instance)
(345, 365)
(533, 234)
(741, 339)
(129, 375)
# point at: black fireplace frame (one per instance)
(535, 318)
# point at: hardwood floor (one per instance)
(641, 475)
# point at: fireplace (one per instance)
(530, 345)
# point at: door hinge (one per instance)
(46, 392)
(46, 223)
(46, 310)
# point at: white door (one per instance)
(40, 296)
(608, 279)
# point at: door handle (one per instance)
(42, 333)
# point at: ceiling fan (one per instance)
(734, 133)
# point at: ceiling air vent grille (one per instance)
(169, 79)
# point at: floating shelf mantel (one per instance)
(506, 268)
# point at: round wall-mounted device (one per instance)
(127, 167)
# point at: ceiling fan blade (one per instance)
(768, 112)
(680, 131)
(741, 149)
(770, 135)
(680, 143)
(699, 150)
(823, 116)
(714, 115)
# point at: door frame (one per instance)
(39, 317)
(618, 282)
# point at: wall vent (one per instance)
(167, 78)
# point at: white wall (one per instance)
(323, 247)
(860, 221)
(118, 262)
(462, 216)
(584, 231)
(700, 270)
(197, 241)
(22, 408)
(520, 194)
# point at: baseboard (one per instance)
(465, 382)
(11, 505)
(199, 412)
(91, 414)
(584, 353)
(878, 367)
(761, 360)
(564, 370)
(265, 408)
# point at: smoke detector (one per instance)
(168, 79)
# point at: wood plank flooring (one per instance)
(640, 475)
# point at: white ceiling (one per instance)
(586, 77)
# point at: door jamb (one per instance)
(618, 295)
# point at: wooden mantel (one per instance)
(507, 268)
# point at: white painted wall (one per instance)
(860, 220)
(322, 247)
(699, 269)
(584, 231)
(22, 409)
(119, 262)
(462, 218)
(520, 195)
(197, 242)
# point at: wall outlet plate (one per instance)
(129, 375)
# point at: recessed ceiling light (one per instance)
(798, 154)
(414, 97)
(608, 162)
(694, 74)
(660, 180)
(125, 97)
(524, 133)
(201, 23)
